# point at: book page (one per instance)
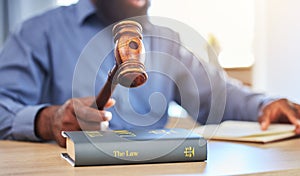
(245, 131)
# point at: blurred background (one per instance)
(256, 40)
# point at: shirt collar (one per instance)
(85, 8)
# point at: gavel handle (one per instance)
(106, 91)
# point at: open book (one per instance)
(246, 131)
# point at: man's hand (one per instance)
(280, 111)
(74, 115)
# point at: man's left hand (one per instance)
(280, 111)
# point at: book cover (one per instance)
(245, 131)
(90, 148)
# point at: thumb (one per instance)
(111, 102)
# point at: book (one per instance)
(94, 148)
(245, 131)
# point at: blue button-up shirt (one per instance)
(67, 52)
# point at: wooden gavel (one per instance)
(129, 70)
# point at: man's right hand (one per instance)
(74, 115)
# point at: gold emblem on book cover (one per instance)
(124, 133)
(93, 134)
(189, 152)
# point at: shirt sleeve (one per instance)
(242, 103)
(210, 96)
(23, 125)
(23, 70)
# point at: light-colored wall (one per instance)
(277, 48)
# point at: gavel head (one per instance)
(129, 53)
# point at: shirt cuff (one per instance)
(261, 101)
(23, 127)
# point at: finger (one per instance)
(265, 120)
(291, 114)
(297, 106)
(111, 102)
(107, 116)
(87, 100)
(65, 119)
(297, 130)
(70, 123)
(297, 109)
(93, 115)
(90, 114)
(104, 126)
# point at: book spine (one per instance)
(134, 152)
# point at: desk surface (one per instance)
(224, 158)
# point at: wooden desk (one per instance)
(224, 158)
